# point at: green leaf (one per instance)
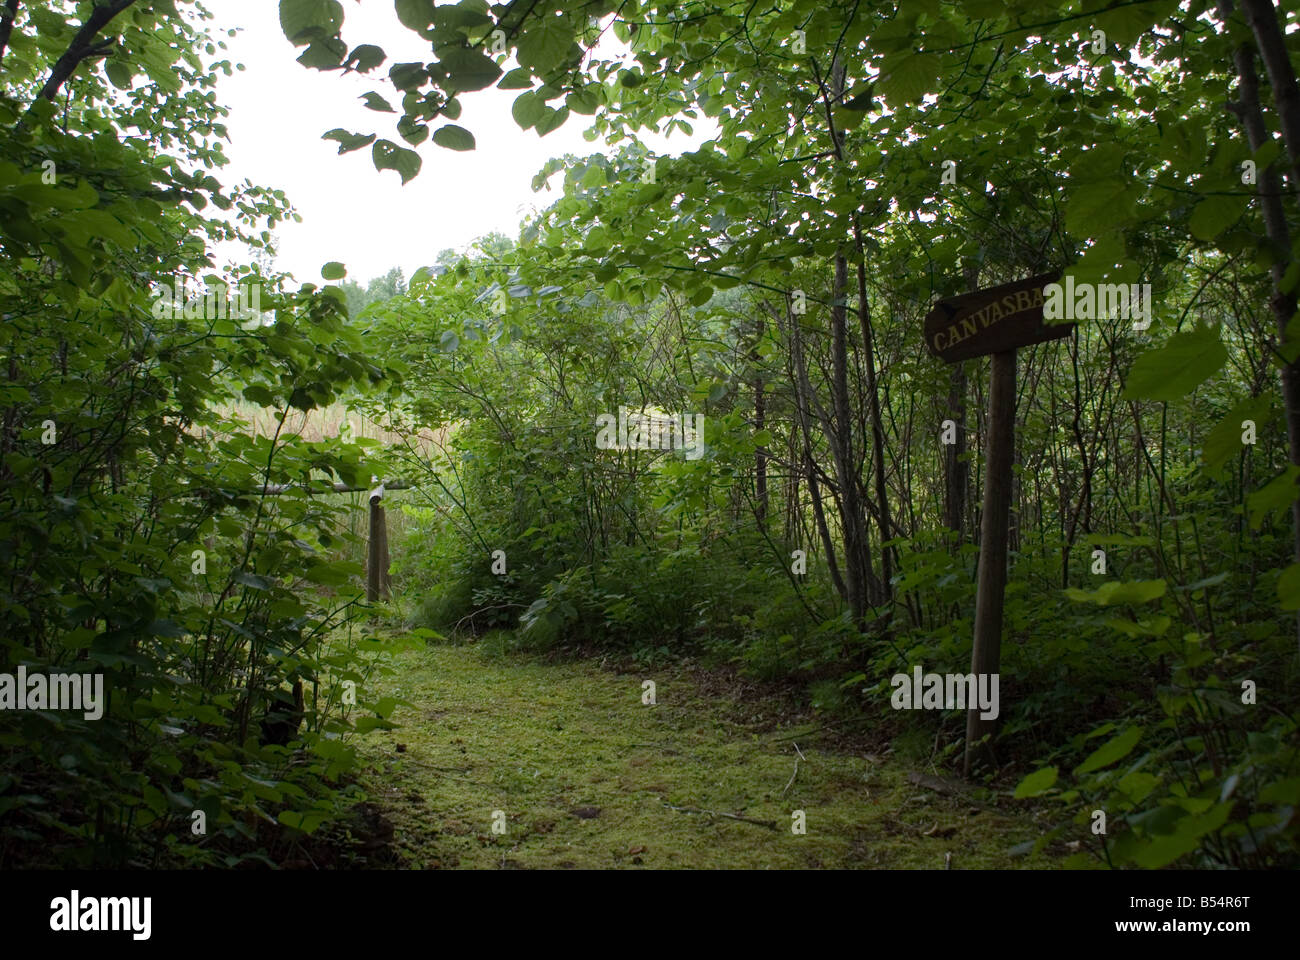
(516, 79)
(861, 101)
(528, 108)
(389, 156)
(1155, 627)
(1108, 594)
(154, 800)
(415, 14)
(1036, 783)
(408, 77)
(544, 43)
(306, 20)
(253, 581)
(1288, 588)
(119, 74)
(412, 132)
(552, 120)
(375, 102)
(365, 58)
(469, 69)
(846, 119)
(584, 101)
(1126, 22)
(349, 141)
(1224, 441)
(324, 54)
(1278, 494)
(1176, 368)
(307, 822)
(1138, 785)
(1111, 751)
(1163, 849)
(460, 20)
(1092, 207)
(333, 271)
(1213, 215)
(453, 137)
(907, 76)
(328, 574)
(1117, 592)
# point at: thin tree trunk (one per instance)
(1261, 16)
(803, 399)
(877, 428)
(1263, 23)
(852, 520)
(760, 421)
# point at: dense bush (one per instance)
(135, 541)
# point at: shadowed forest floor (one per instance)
(587, 776)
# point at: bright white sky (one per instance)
(352, 212)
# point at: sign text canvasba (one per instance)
(992, 320)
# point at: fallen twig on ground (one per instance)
(796, 769)
(770, 824)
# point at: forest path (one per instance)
(584, 774)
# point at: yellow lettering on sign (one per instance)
(983, 318)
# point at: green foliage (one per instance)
(135, 540)
(701, 283)
(1172, 371)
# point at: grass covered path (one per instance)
(585, 775)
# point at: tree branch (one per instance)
(82, 47)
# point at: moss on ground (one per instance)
(587, 776)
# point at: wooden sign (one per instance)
(991, 321)
(994, 321)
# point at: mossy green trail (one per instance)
(586, 775)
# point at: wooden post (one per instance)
(376, 562)
(994, 322)
(385, 580)
(987, 650)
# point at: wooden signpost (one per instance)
(994, 321)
